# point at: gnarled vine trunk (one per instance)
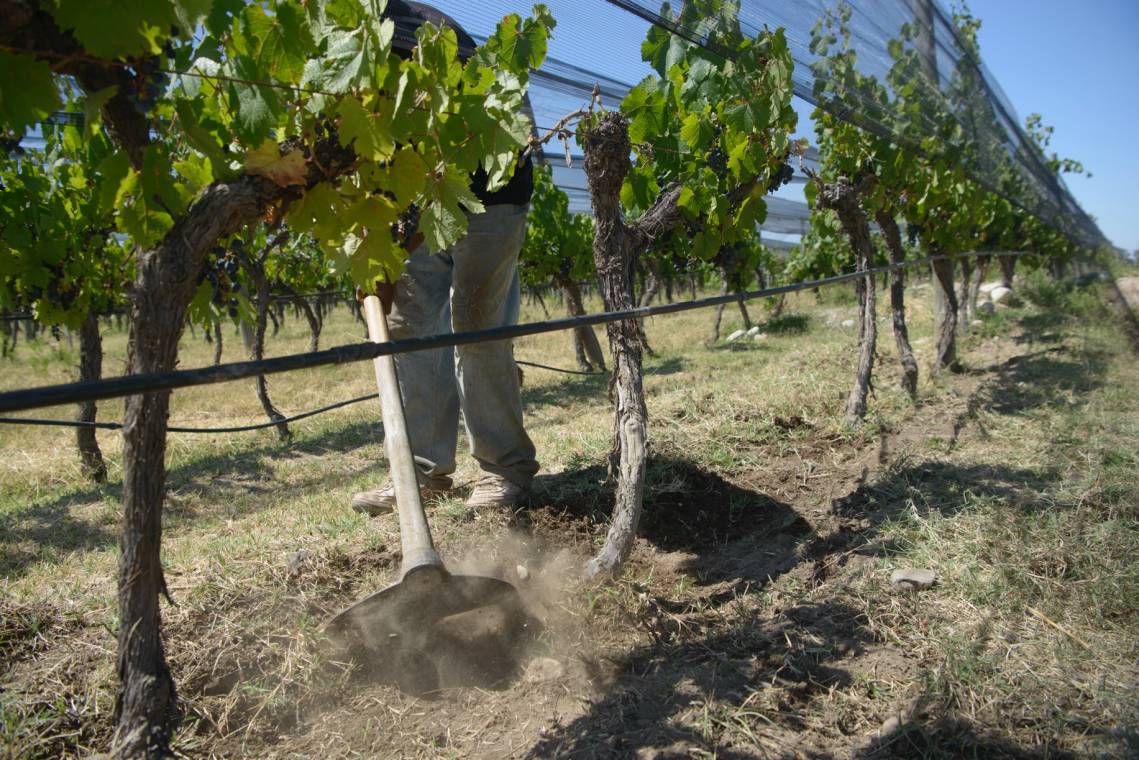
(964, 289)
(216, 326)
(90, 368)
(256, 270)
(314, 325)
(843, 198)
(1008, 269)
(586, 346)
(893, 236)
(973, 292)
(615, 247)
(944, 314)
(727, 265)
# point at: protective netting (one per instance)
(608, 54)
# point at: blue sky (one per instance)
(1076, 64)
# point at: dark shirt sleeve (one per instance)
(408, 17)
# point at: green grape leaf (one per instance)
(282, 39)
(369, 133)
(370, 248)
(28, 92)
(443, 221)
(113, 29)
(318, 213)
(404, 176)
(255, 106)
(202, 135)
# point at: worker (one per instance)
(472, 285)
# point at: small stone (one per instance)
(760, 336)
(523, 572)
(986, 307)
(1000, 293)
(912, 578)
(297, 563)
(848, 323)
(889, 726)
(976, 323)
(989, 287)
(542, 669)
(736, 335)
(753, 331)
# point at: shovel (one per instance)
(400, 618)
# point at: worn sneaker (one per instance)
(493, 491)
(382, 500)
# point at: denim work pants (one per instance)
(472, 285)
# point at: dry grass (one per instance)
(755, 618)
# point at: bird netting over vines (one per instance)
(913, 47)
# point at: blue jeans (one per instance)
(470, 286)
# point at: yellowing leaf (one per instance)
(267, 161)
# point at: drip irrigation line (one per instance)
(563, 370)
(244, 428)
(180, 429)
(70, 393)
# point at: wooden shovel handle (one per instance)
(415, 535)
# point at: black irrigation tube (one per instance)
(178, 429)
(558, 369)
(244, 428)
(70, 393)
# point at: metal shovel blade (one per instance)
(424, 596)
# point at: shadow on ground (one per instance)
(718, 679)
(51, 528)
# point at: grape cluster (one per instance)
(403, 231)
(220, 270)
(717, 162)
(780, 178)
(11, 146)
(149, 79)
(148, 84)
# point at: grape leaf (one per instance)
(27, 91)
(443, 221)
(266, 161)
(369, 133)
(112, 28)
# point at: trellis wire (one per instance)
(69, 393)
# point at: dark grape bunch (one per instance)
(403, 231)
(220, 270)
(10, 146)
(781, 177)
(150, 78)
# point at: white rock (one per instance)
(911, 578)
(848, 323)
(989, 287)
(1000, 293)
(523, 572)
(1129, 288)
(736, 335)
(753, 331)
(760, 336)
(986, 307)
(543, 669)
(976, 323)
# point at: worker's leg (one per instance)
(485, 294)
(427, 378)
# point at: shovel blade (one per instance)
(416, 603)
